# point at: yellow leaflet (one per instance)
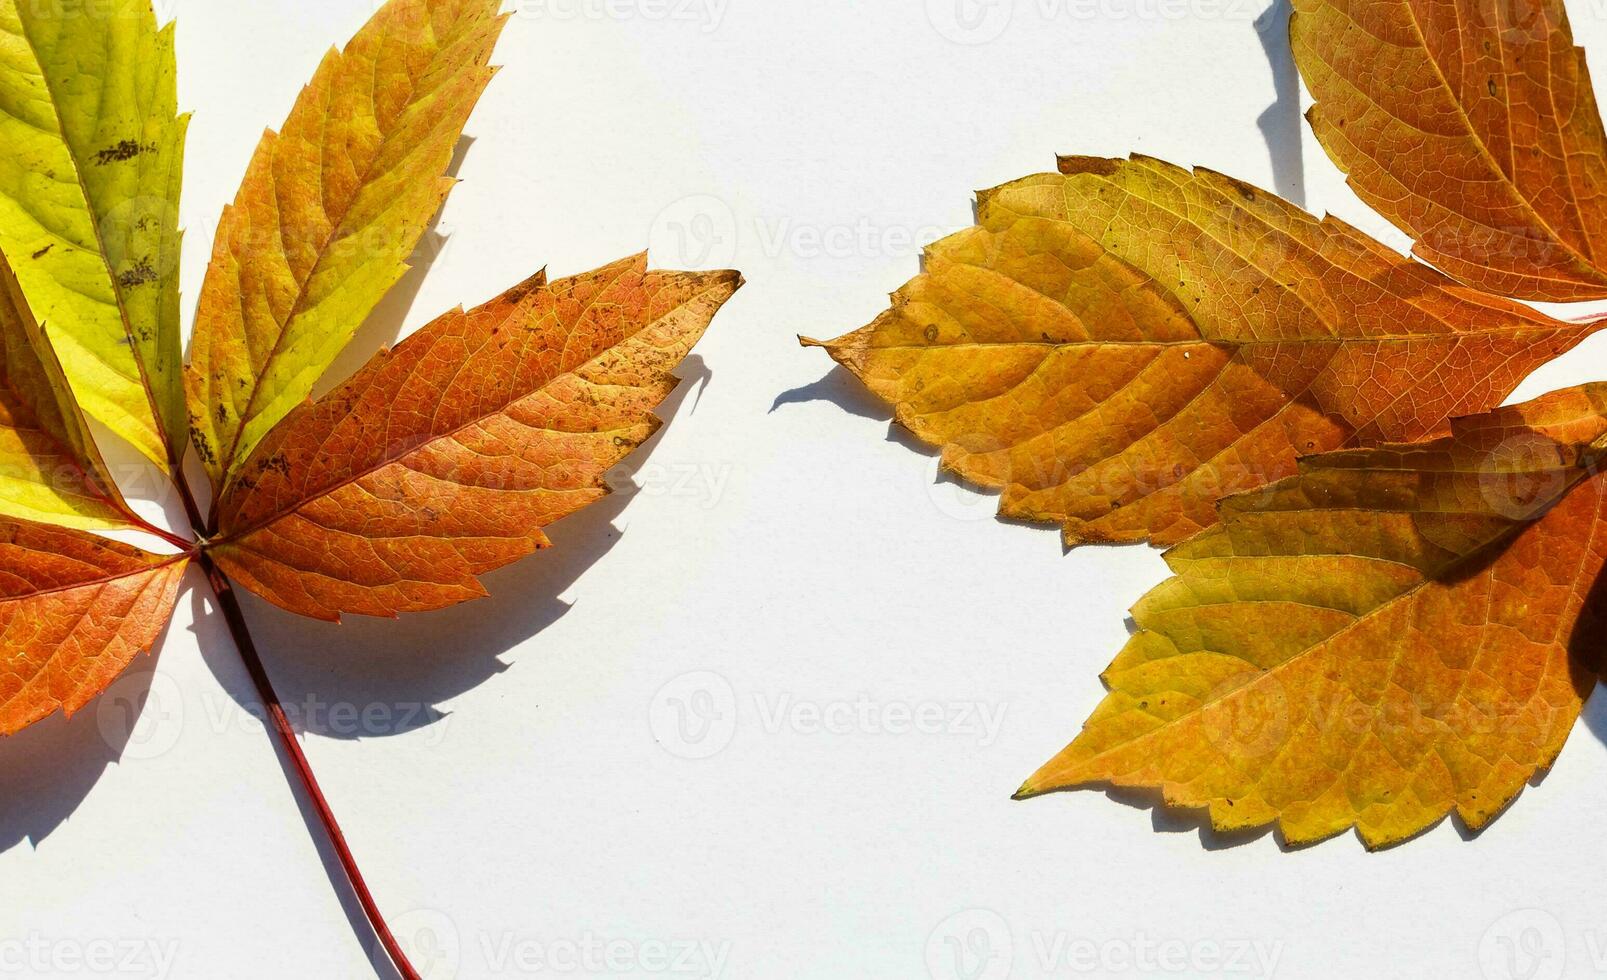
(89, 190)
(50, 470)
(330, 209)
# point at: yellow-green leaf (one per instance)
(329, 211)
(50, 468)
(89, 188)
(1390, 635)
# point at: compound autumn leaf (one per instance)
(440, 460)
(495, 422)
(1391, 629)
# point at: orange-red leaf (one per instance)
(75, 609)
(1119, 346)
(444, 458)
(1473, 127)
(1390, 635)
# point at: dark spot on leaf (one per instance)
(41, 253)
(137, 274)
(124, 150)
(931, 333)
(203, 448)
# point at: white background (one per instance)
(786, 555)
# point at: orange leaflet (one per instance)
(1392, 634)
(444, 458)
(1118, 346)
(75, 609)
(1473, 127)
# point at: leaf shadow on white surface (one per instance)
(375, 678)
(49, 768)
(1166, 819)
(839, 387)
(1282, 125)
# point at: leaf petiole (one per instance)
(280, 725)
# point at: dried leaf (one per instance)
(1389, 635)
(1473, 127)
(89, 189)
(1119, 346)
(330, 209)
(444, 458)
(50, 468)
(75, 610)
